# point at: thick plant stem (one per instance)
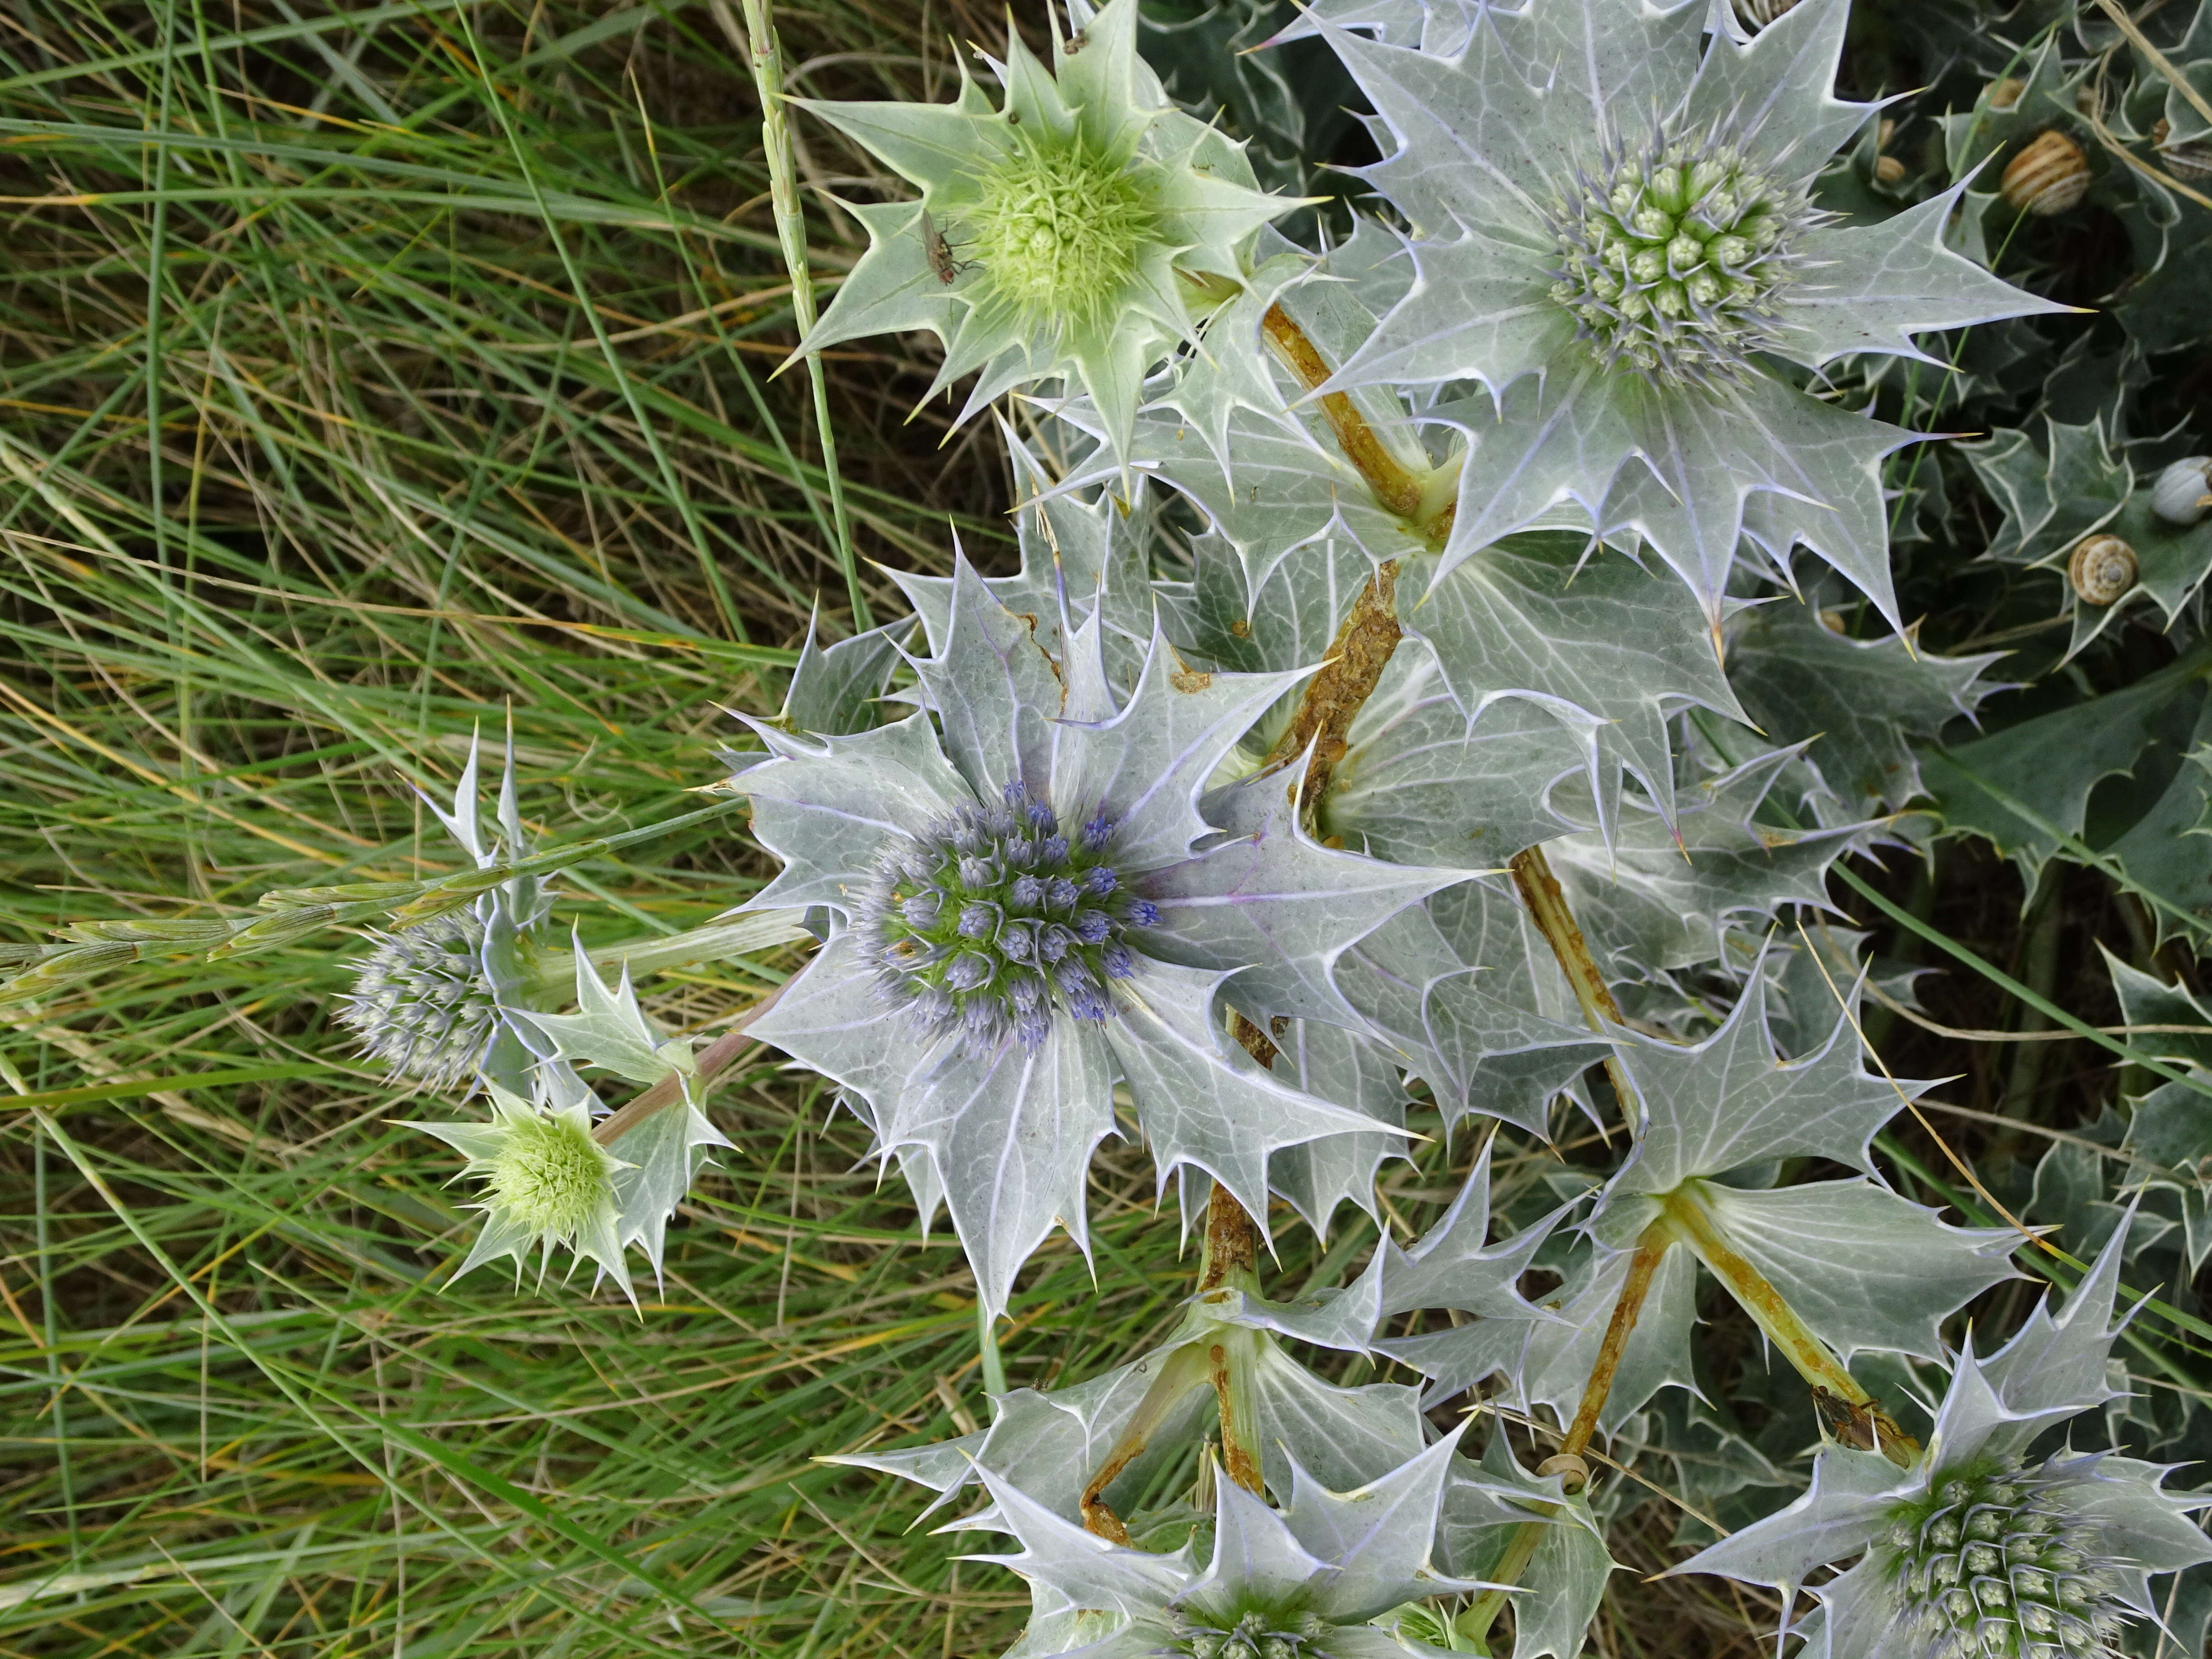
(1396, 490)
(1851, 1415)
(717, 1057)
(1521, 1548)
(1362, 648)
(1643, 1267)
(1547, 908)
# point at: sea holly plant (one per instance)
(1404, 786)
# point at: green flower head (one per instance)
(546, 1182)
(1076, 230)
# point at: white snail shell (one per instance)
(2183, 493)
(1759, 13)
(2050, 176)
(2102, 569)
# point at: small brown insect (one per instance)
(1076, 42)
(1848, 1423)
(942, 263)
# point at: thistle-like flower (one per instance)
(546, 1182)
(423, 1004)
(1299, 1584)
(446, 1002)
(1073, 232)
(1035, 905)
(1979, 1551)
(1610, 231)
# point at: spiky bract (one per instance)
(422, 1003)
(987, 921)
(1673, 255)
(547, 1184)
(1077, 231)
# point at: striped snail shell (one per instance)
(2003, 95)
(2192, 162)
(2102, 569)
(2183, 493)
(2049, 176)
(1759, 13)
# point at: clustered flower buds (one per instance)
(986, 923)
(1253, 1636)
(1992, 1564)
(422, 1003)
(1674, 254)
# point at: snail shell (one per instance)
(1888, 171)
(2183, 493)
(2050, 176)
(2003, 95)
(1759, 13)
(2102, 569)
(2192, 160)
(1576, 1470)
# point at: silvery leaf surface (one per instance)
(1606, 647)
(1455, 1266)
(664, 1153)
(833, 688)
(1649, 901)
(994, 691)
(1488, 1033)
(1490, 143)
(1148, 763)
(1203, 1102)
(2172, 564)
(1854, 702)
(1079, 1567)
(1344, 1437)
(1421, 782)
(1727, 1102)
(1844, 1507)
(1287, 487)
(1077, 557)
(1872, 287)
(1267, 900)
(1316, 1176)
(1008, 1135)
(1559, 1356)
(610, 1031)
(1288, 623)
(1046, 1444)
(1011, 1136)
(1344, 1319)
(828, 812)
(1863, 1267)
(1484, 1508)
(1376, 1538)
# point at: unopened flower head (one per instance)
(1673, 255)
(1994, 1564)
(549, 1176)
(1253, 1636)
(1077, 229)
(986, 923)
(1059, 227)
(422, 1002)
